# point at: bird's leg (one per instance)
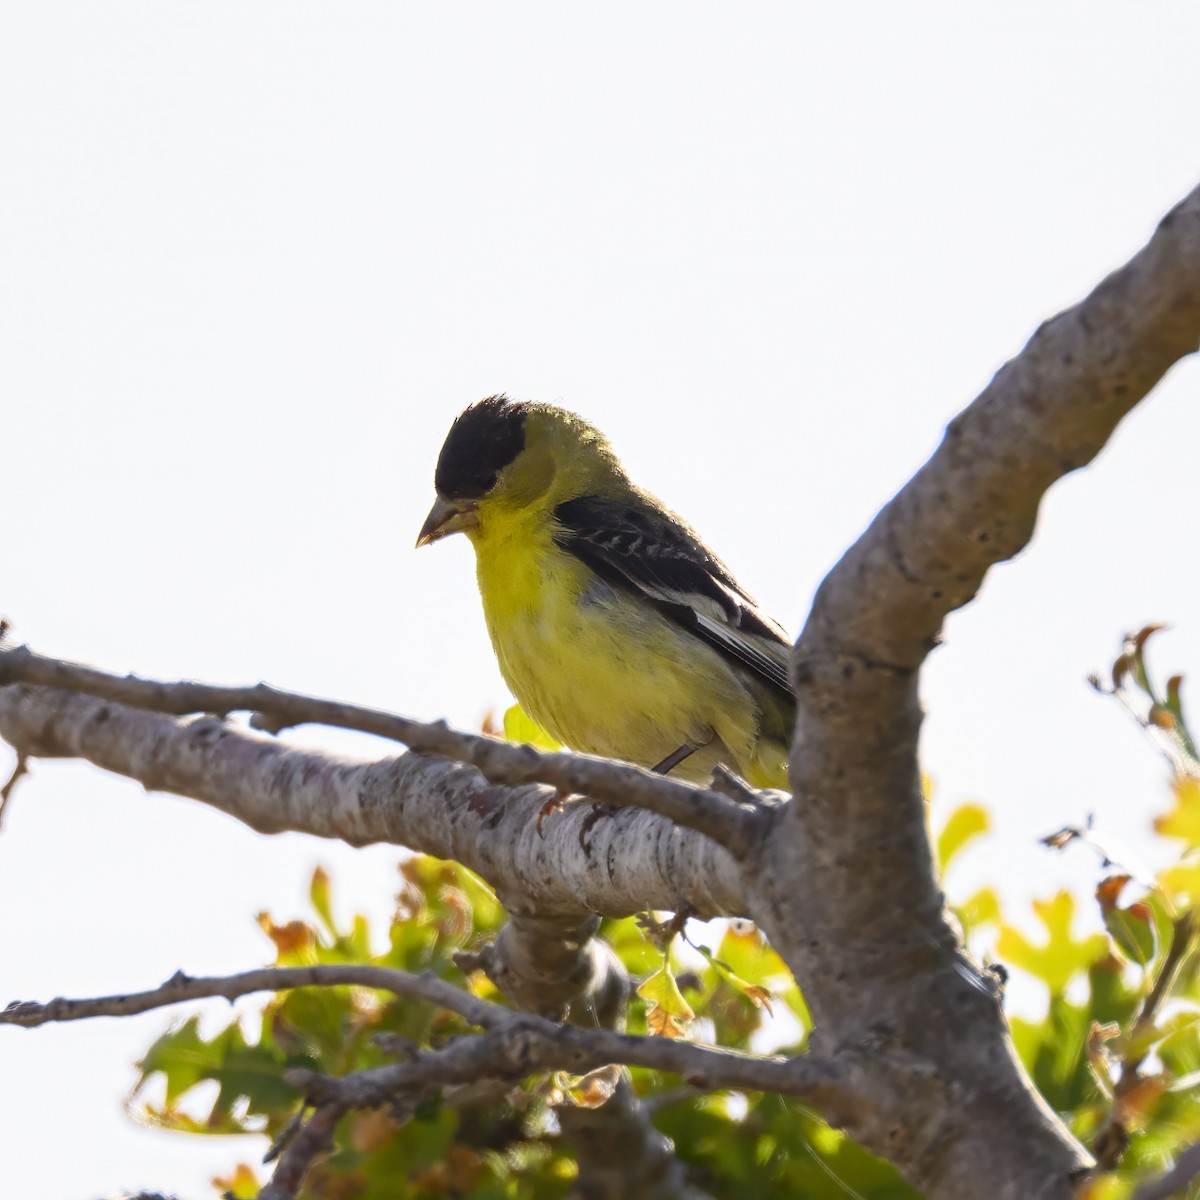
(673, 759)
(667, 765)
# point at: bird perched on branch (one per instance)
(616, 628)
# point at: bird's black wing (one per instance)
(653, 554)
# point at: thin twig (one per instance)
(515, 1044)
(1112, 1140)
(314, 1138)
(181, 987)
(1111, 853)
(287, 1136)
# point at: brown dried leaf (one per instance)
(291, 940)
(1137, 1104)
(595, 1088)
(1109, 890)
(371, 1130)
(463, 1168)
(661, 1023)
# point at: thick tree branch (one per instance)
(733, 825)
(875, 948)
(624, 863)
(546, 963)
(621, 1155)
(555, 967)
(527, 1045)
(973, 504)
(1047, 412)
(913, 1054)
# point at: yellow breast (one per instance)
(600, 670)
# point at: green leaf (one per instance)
(1133, 934)
(1131, 928)
(241, 1185)
(1054, 1052)
(1182, 880)
(241, 1070)
(253, 1073)
(182, 1057)
(981, 908)
(963, 826)
(744, 950)
(520, 727)
(662, 990)
(778, 1148)
(1062, 956)
(755, 993)
(1163, 916)
(1183, 821)
(667, 1005)
(318, 894)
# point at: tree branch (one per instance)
(545, 962)
(626, 863)
(29, 1014)
(734, 825)
(527, 1045)
(912, 1051)
(875, 947)
(553, 966)
(313, 1137)
(556, 967)
(514, 1044)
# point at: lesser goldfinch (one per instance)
(616, 628)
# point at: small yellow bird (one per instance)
(616, 628)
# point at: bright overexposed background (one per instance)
(255, 257)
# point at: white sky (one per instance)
(253, 260)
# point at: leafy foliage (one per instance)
(484, 1147)
(519, 726)
(1119, 1059)
(501, 1142)
(1117, 1052)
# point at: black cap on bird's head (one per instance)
(481, 443)
(484, 439)
(513, 453)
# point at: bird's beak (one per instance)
(447, 517)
